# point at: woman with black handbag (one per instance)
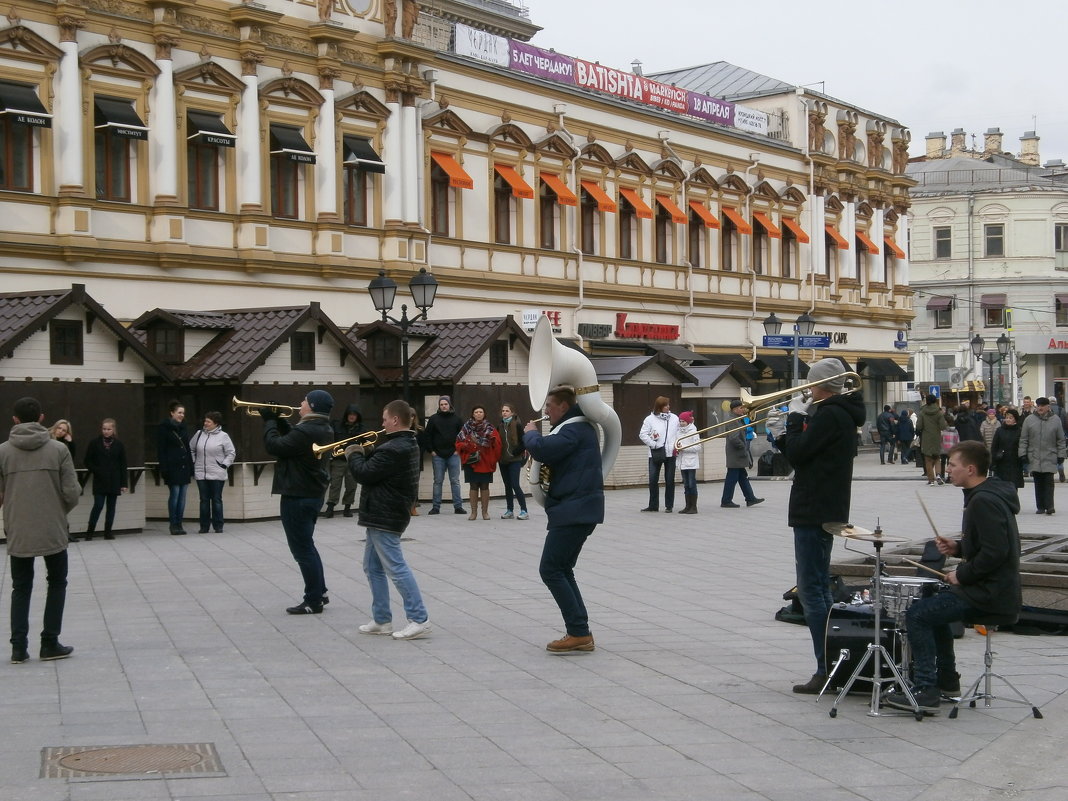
(479, 447)
(513, 455)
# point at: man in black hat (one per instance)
(739, 459)
(301, 480)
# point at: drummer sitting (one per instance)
(987, 580)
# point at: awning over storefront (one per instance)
(120, 117)
(19, 104)
(289, 142)
(564, 196)
(707, 217)
(767, 225)
(520, 188)
(641, 208)
(360, 154)
(604, 203)
(992, 302)
(739, 221)
(458, 176)
(797, 230)
(892, 245)
(939, 303)
(877, 367)
(208, 129)
(668, 205)
(840, 240)
(870, 246)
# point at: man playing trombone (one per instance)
(820, 443)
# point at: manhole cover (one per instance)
(130, 761)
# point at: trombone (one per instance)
(761, 407)
(253, 409)
(338, 448)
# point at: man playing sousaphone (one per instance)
(574, 505)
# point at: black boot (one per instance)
(89, 535)
(691, 506)
(329, 511)
(347, 512)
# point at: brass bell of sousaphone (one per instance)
(552, 364)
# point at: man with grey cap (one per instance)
(1042, 445)
(301, 479)
(820, 443)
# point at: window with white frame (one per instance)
(993, 240)
(943, 242)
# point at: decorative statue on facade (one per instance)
(326, 8)
(901, 152)
(409, 18)
(389, 17)
(847, 140)
(816, 131)
(875, 148)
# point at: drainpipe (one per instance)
(755, 159)
(971, 277)
(689, 267)
(807, 156)
(431, 77)
(560, 109)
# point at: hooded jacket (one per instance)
(989, 576)
(38, 487)
(573, 455)
(344, 430)
(929, 427)
(298, 473)
(390, 481)
(213, 453)
(1042, 442)
(821, 448)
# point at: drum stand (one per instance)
(876, 651)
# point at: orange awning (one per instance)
(892, 246)
(457, 176)
(867, 243)
(604, 203)
(640, 208)
(767, 225)
(708, 217)
(520, 188)
(798, 231)
(564, 196)
(738, 220)
(668, 205)
(832, 232)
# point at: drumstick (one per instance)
(924, 567)
(929, 518)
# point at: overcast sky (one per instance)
(931, 66)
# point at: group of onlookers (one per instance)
(1029, 441)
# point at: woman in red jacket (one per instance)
(479, 446)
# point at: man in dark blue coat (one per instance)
(574, 504)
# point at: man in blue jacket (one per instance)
(574, 504)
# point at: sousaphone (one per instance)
(552, 364)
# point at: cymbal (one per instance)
(851, 532)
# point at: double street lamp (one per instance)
(990, 359)
(383, 293)
(804, 325)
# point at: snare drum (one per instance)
(900, 591)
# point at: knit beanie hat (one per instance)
(824, 371)
(320, 401)
(686, 417)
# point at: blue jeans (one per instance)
(563, 544)
(382, 559)
(298, 521)
(511, 476)
(927, 621)
(689, 482)
(22, 588)
(176, 503)
(453, 463)
(737, 477)
(886, 446)
(812, 557)
(99, 503)
(211, 508)
(669, 483)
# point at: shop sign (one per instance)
(531, 317)
(626, 330)
(594, 330)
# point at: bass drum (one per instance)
(851, 628)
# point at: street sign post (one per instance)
(786, 341)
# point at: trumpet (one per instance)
(761, 407)
(253, 409)
(338, 448)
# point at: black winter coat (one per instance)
(573, 454)
(172, 450)
(298, 473)
(342, 429)
(439, 434)
(1005, 455)
(107, 466)
(821, 447)
(989, 576)
(390, 481)
(967, 428)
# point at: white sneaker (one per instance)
(413, 630)
(376, 628)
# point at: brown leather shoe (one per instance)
(570, 644)
(812, 686)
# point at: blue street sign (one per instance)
(779, 341)
(816, 341)
(900, 344)
(935, 390)
(787, 341)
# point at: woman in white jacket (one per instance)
(213, 453)
(659, 432)
(688, 461)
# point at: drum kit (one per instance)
(892, 596)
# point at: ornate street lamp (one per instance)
(990, 359)
(383, 291)
(804, 325)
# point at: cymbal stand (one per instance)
(877, 651)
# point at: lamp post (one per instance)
(384, 291)
(991, 358)
(804, 325)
